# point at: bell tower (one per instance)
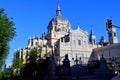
(92, 38)
(112, 36)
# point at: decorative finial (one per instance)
(58, 11)
(78, 28)
(58, 7)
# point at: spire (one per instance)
(36, 36)
(58, 6)
(91, 33)
(92, 38)
(58, 11)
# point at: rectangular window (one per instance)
(32, 43)
(74, 42)
(36, 43)
(54, 35)
(79, 42)
(115, 34)
(17, 55)
(41, 44)
(21, 54)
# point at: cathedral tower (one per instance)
(112, 36)
(92, 38)
(58, 27)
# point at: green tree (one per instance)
(6, 75)
(33, 55)
(17, 66)
(30, 68)
(7, 33)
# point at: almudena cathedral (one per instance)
(60, 40)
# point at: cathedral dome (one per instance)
(59, 22)
(60, 19)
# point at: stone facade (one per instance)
(75, 44)
(40, 43)
(61, 40)
(109, 52)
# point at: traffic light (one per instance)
(109, 23)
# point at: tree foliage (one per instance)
(7, 74)
(7, 33)
(33, 55)
(17, 66)
(36, 68)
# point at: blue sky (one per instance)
(31, 17)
